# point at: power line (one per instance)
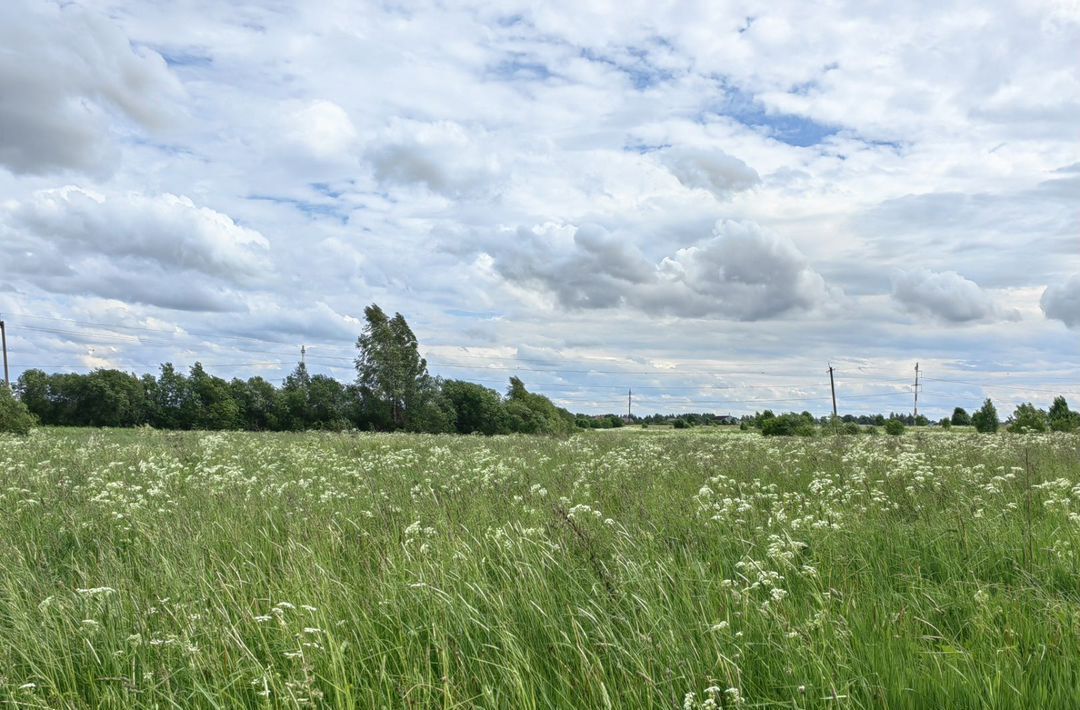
(995, 384)
(159, 333)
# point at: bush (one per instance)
(986, 419)
(788, 425)
(15, 418)
(680, 424)
(851, 428)
(894, 427)
(1027, 419)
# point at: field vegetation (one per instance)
(669, 569)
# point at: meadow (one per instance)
(631, 569)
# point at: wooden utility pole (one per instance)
(3, 339)
(629, 400)
(832, 386)
(916, 414)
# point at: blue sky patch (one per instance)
(787, 128)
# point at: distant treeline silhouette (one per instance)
(392, 392)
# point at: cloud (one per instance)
(439, 155)
(320, 129)
(65, 74)
(358, 143)
(160, 250)
(168, 230)
(1062, 301)
(712, 170)
(149, 284)
(595, 270)
(742, 272)
(945, 295)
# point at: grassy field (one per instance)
(629, 570)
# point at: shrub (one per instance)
(680, 424)
(852, 428)
(15, 418)
(1027, 418)
(894, 427)
(960, 417)
(788, 425)
(986, 419)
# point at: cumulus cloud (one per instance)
(742, 272)
(1062, 301)
(317, 322)
(712, 170)
(169, 230)
(321, 129)
(439, 155)
(161, 250)
(945, 295)
(149, 284)
(595, 270)
(64, 74)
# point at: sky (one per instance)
(708, 202)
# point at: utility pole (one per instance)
(303, 353)
(3, 338)
(832, 386)
(916, 415)
(629, 400)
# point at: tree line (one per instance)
(393, 391)
(1026, 418)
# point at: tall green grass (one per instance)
(629, 570)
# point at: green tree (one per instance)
(295, 399)
(432, 413)
(986, 419)
(389, 368)
(960, 417)
(33, 388)
(258, 402)
(1060, 417)
(530, 413)
(15, 418)
(109, 398)
(477, 409)
(173, 405)
(327, 405)
(1027, 418)
(894, 427)
(216, 407)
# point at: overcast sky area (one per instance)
(709, 202)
